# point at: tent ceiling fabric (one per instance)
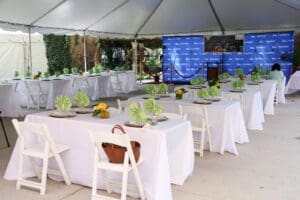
(126, 18)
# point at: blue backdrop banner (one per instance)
(184, 57)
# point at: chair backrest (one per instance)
(27, 130)
(234, 96)
(98, 138)
(33, 87)
(175, 115)
(196, 114)
(123, 104)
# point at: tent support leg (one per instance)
(84, 50)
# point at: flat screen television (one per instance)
(227, 43)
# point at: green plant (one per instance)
(136, 114)
(239, 72)
(81, 100)
(98, 68)
(203, 93)
(66, 71)
(261, 71)
(27, 74)
(213, 91)
(119, 68)
(224, 76)
(91, 70)
(153, 107)
(74, 70)
(63, 103)
(37, 76)
(57, 52)
(16, 74)
(46, 75)
(197, 81)
(238, 84)
(152, 89)
(255, 77)
(57, 73)
(163, 88)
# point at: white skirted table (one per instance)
(167, 150)
(225, 117)
(9, 101)
(293, 84)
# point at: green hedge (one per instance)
(57, 52)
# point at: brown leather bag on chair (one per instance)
(116, 153)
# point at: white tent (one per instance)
(141, 18)
(14, 53)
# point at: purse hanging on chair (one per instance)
(116, 153)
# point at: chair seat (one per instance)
(106, 165)
(38, 150)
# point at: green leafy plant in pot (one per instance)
(153, 108)
(255, 78)
(197, 81)
(213, 92)
(137, 115)
(163, 88)
(16, 74)
(152, 90)
(224, 76)
(203, 94)
(238, 84)
(28, 74)
(81, 100)
(74, 70)
(66, 71)
(46, 75)
(63, 103)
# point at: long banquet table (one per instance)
(225, 117)
(293, 84)
(167, 150)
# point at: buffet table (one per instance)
(167, 150)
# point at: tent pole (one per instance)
(29, 50)
(84, 50)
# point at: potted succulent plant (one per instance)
(74, 70)
(16, 74)
(63, 103)
(255, 78)
(213, 92)
(152, 90)
(137, 115)
(46, 75)
(153, 108)
(66, 71)
(81, 100)
(238, 84)
(28, 74)
(197, 81)
(163, 88)
(224, 77)
(203, 94)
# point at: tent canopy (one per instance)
(141, 18)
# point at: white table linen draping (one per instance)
(167, 151)
(225, 117)
(128, 81)
(102, 87)
(281, 96)
(9, 101)
(268, 92)
(252, 109)
(293, 84)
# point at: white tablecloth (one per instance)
(225, 117)
(293, 84)
(268, 92)
(252, 109)
(167, 151)
(9, 101)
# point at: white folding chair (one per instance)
(175, 115)
(116, 83)
(200, 124)
(43, 148)
(231, 96)
(102, 164)
(123, 104)
(255, 87)
(34, 94)
(81, 84)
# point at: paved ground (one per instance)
(267, 168)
